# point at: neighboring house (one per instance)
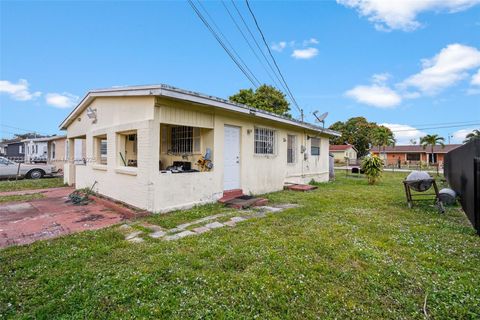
(340, 152)
(143, 144)
(414, 154)
(16, 151)
(56, 151)
(36, 150)
(3, 149)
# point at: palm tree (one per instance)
(432, 140)
(382, 137)
(475, 134)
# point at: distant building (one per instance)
(343, 152)
(56, 147)
(36, 150)
(414, 153)
(15, 150)
(3, 149)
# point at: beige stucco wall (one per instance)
(339, 156)
(146, 187)
(59, 159)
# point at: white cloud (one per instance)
(279, 46)
(445, 69)
(379, 96)
(18, 91)
(404, 133)
(460, 135)
(64, 100)
(380, 78)
(307, 53)
(401, 14)
(311, 41)
(476, 79)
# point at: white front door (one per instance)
(231, 158)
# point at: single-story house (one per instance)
(414, 153)
(35, 150)
(16, 151)
(161, 148)
(343, 152)
(56, 151)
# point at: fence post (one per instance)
(18, 171)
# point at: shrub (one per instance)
(373, 167)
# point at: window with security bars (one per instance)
(291, 147)
(264, 141)
(184, 140)
(315, 147)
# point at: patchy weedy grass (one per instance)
(351, 251)
(27, 184)
(23, 197)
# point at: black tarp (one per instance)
(462, 171)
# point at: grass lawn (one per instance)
(23, 197)
(350, 251)
(26, 184)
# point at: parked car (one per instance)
(9, 169)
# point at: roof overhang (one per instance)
(190, 96)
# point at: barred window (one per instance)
(413, 156)
(291, 148)
(315, 147)
(264, 141)
(184, 139)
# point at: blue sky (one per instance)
(412, 65)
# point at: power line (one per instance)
(258, 46)
(217, 37)
(228, 42)
(439, 127)
(273, 58)
(248, 42)
(26, 130)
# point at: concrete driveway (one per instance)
(28, 221)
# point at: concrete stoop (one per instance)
(237, 200)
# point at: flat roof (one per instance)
(164, 90)
(418, 149)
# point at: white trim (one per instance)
(194, 97)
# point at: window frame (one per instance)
(312, 147)
(292, 149)
(265, 141)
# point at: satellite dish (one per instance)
(321, 118)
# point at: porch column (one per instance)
(69, 166)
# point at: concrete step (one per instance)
(230, 195)
(245, 202)
(300, 187)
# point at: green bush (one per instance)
(373, 167)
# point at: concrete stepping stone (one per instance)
(136, 240)
(198, 221)
(125, 227)
(152, 227)
(237, 219)
(133, 235)
(200, 230)
(157, 234)
(180, 235)
(270, 209)
(230, 223)
(214, 225)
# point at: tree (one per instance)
(266, 98)
(475, 134)
(357, 131)
(383, 137)
(432, 140)
(373, 167)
